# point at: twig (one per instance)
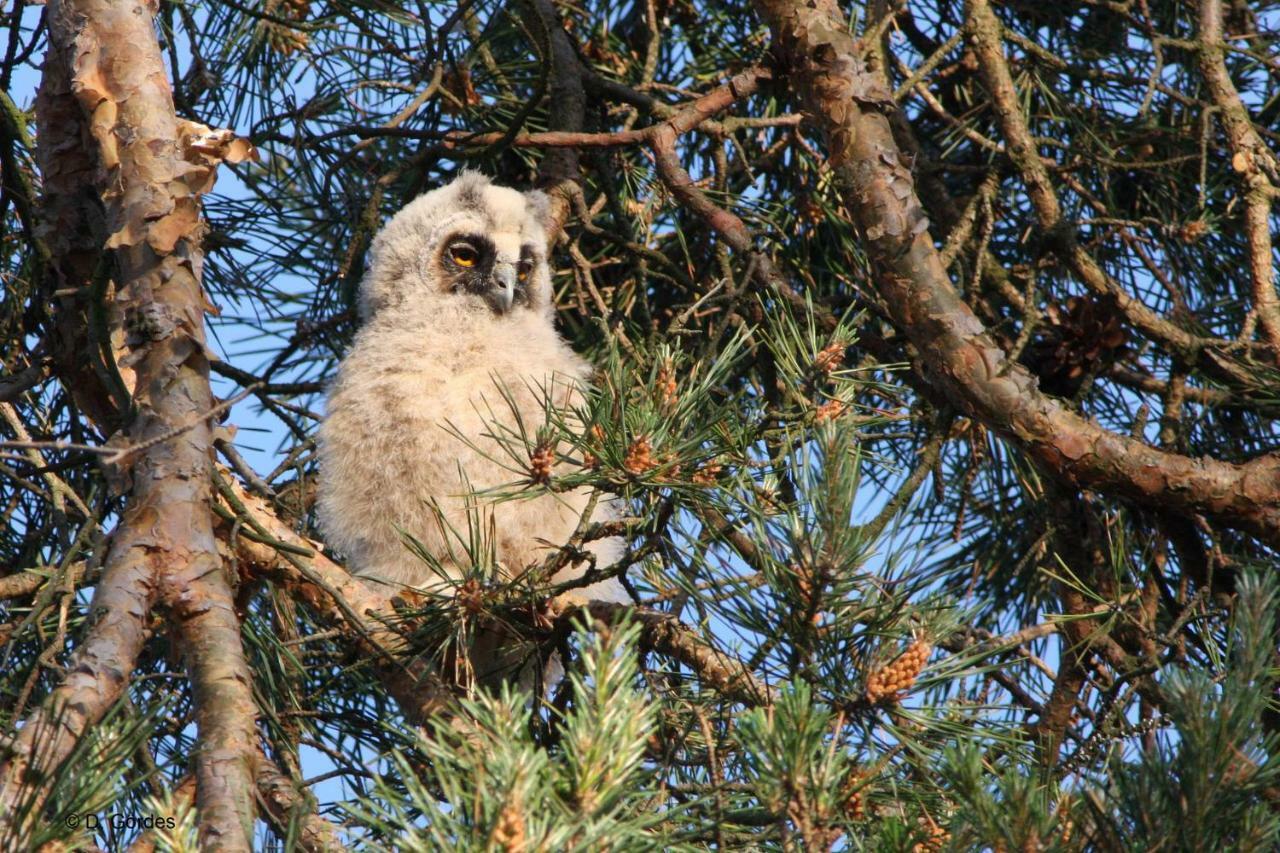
(667, 635)
(1254, 162)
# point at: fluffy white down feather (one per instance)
(425, 356)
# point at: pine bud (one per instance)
(508, 833)
(936, 838)
(285, 40)
(1066, 826)
(1193, 230)
(471, 597)
(541, 462)
(767, 498)
(854, 807)
(897, 677)
(829, 411)
(665, 386)
(639, 457)
(589, 459)
(707, 474)
(672, 463)
(459, 84)
(830, 358)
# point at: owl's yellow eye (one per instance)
(522, 272)
(463, 255)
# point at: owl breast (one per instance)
(391, 455)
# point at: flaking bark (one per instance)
(150, 170)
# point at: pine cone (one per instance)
(1087, 336)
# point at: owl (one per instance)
(456, 341)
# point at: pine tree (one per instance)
(937, 350)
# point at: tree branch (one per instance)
(268, 547)
(96, 677)
(285, 803)
(558, 174)
(667, 635)
(984, 32)
(962, 359)
(1252, 159)
(680, 121)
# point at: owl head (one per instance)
(481, 245)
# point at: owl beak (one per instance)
(502, 287)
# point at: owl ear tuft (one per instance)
(471, 186)
(539, 207)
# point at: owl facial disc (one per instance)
(475, 266)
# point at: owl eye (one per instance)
(522, 272)
(464, 255)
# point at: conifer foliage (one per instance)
(938, 357)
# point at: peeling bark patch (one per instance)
(153, 170)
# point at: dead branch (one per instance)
(681, 121)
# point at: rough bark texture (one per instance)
(667, 635)
(72, 227)
(286, 805)
(96, 676)
(153, 169)
(962, 360)
(1253, 161)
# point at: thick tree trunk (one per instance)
(153, 169)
